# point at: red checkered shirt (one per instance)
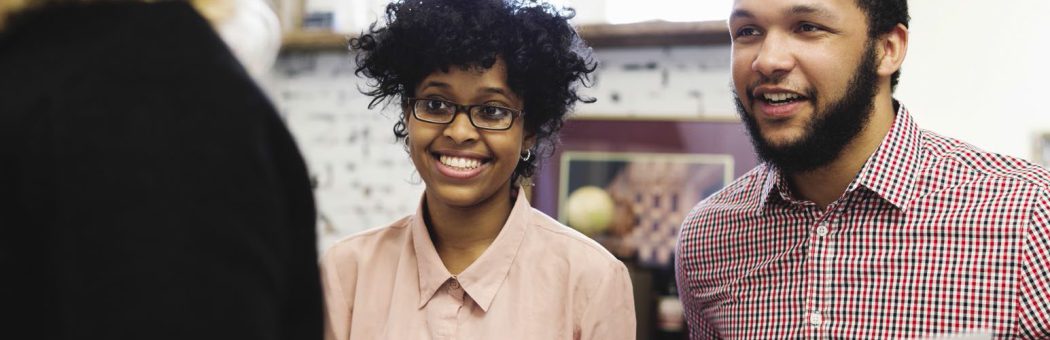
(933, 238)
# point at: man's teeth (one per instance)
(460, 162)
(779, 97)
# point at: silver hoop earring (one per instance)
(528, 154)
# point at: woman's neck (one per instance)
(462, 234)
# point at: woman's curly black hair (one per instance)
(545, 58)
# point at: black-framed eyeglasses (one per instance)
(482, 116)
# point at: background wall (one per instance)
(978, 71)
(362, 177)
(975, 68)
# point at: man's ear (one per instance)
(893, 46)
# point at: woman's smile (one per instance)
(459, 167)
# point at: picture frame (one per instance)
(1042, 149)
(635, 202)
(579, 169)
(718, 151)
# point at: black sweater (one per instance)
(148, 189)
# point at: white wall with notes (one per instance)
(363, 177)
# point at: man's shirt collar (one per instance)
(890, 172)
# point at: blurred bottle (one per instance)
(670, 315)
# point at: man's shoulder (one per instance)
(748, 190)
(956, 156)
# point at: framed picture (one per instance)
(635, 202)
(629, 184)
(1042, 149)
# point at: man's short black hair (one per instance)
(883, 16)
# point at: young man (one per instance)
(859, 224)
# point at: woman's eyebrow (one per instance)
(494, 90)
(435, 83)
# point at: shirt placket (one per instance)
(445, 317)
(817, 264)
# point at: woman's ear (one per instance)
(529, 142)
(406, 114)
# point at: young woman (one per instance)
(484, 86)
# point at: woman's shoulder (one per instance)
(560, 240)
(371, 242)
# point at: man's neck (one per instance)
(826, 184)
(462, 234)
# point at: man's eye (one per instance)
(747, 32)
(808, 28)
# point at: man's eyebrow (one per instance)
(793, 11)
(811, 10)
(741, 14)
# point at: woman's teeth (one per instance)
(460, 162)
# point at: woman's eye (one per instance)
(494, 112)
(435, 105)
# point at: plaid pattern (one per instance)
(933, 238)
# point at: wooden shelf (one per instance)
(656, 33)
(658, 118)
(315, 40)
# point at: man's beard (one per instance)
(828, 131)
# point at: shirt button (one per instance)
(815, 319)
(822, 230)
(454, 284)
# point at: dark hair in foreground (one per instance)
(544, 56)
(883, 16)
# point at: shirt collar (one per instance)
(890, 172)
(483, 278)
(774, 184)
(775, 187)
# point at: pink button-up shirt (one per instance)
(538, 280)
